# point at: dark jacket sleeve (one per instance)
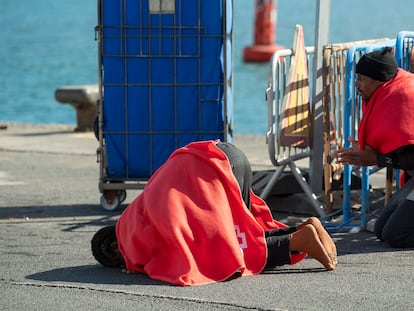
(402, 158)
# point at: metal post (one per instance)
(321, 39)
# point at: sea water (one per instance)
(48, 43)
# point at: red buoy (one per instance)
(264, 33)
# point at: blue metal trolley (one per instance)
(165, 79)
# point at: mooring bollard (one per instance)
(84, 99)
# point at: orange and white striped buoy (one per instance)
(264, 33)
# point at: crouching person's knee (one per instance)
(397, 239)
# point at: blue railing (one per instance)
(403, 49)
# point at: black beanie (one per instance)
(378, 65)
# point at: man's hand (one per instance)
(354, 156)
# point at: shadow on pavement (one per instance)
(56, 211)
(288, 270)
(93, 274)
(96, 274)
(70, 214)
(361, 243)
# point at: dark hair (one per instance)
(103, 250)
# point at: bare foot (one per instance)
(307, 239)
(325, 238)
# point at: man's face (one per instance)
(366, 86)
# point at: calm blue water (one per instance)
(48, 43)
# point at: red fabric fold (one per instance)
(388, 117)
(190, 225)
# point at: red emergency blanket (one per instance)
(388, 117)
(190, 224)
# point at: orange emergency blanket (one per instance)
(191, 226)
(388, 117)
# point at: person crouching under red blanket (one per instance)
(197, 221)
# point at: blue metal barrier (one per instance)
(403, 47)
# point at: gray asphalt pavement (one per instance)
(50, 209)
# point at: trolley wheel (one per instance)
(110, 205)
(122, 195)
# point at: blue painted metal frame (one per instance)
(403, 47)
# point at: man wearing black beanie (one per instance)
(386, 138)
